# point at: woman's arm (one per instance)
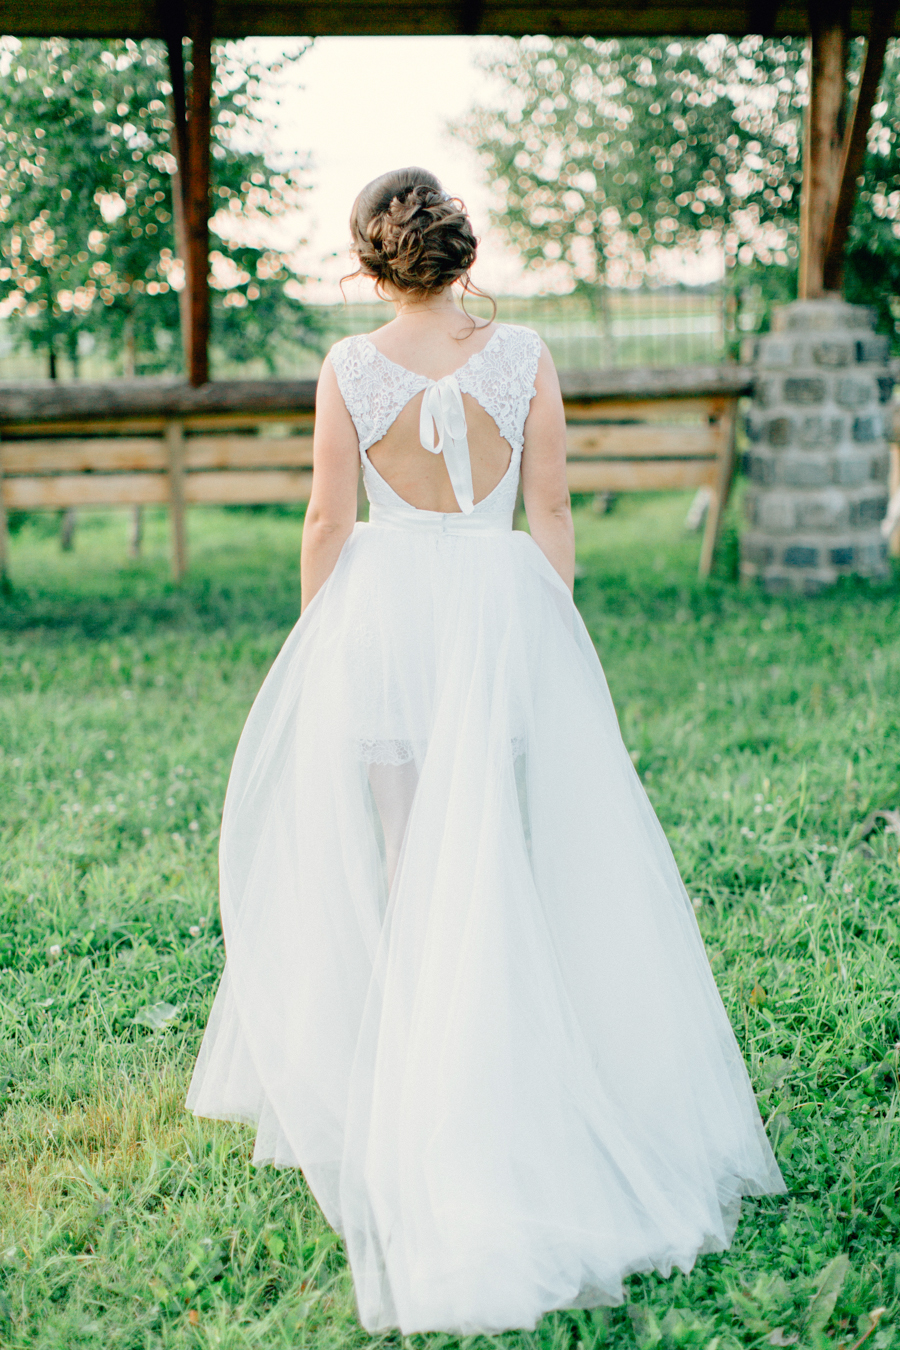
(544, 485)
(331, 513)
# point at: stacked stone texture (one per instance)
(818, 428)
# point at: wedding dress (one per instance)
(465, 990)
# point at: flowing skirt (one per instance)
(465, 989)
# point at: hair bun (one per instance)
(408, 232)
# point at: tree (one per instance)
(86, 214)
(607, 155)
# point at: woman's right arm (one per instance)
(544, 486)
(331, 513)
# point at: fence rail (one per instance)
(248, 442)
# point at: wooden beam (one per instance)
(196, 190)
(824, 139)
(882, 26)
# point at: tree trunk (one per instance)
(51, 361)
(129, 353)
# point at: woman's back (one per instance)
(436, 344)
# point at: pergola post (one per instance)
(820, 424)
(191, 118)
(854, 149)
(824, 139)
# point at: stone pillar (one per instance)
(818, 462)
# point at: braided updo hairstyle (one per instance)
(407, 232)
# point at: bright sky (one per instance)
(372, 104)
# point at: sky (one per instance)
(367, 105)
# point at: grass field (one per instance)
(766, 732)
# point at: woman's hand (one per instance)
(331, 513)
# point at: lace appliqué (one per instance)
(386, 752)
(500, 377)
(374, 389)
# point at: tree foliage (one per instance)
(607, 156)
(86, 213)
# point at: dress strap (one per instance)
(442, 430)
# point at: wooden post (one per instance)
(196, 193)
(719, 494)
(191, 120)
(824, 139)
(4, 540)
(175, 450)
(173, 25)
(881, 27)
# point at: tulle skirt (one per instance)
(465, 990)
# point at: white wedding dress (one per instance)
(465, 989)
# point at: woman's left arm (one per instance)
(331, 513)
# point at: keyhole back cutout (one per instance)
(422, 479)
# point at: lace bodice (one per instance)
(500, 378)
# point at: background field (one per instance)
(766, 732)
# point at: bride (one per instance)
(465, 989)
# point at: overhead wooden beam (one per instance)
(882, 26)
(824, 138)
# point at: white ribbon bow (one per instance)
(443, 417)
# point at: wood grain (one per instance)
(624, 475)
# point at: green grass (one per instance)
(766, 732)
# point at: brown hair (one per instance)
(406, 230)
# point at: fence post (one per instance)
(4, 559)
(175, 448)
(720, 493)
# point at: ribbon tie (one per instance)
(442, 430)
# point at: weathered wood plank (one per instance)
(633, 476)
(234, 488)
(118, 400)
(146, 454)
(249, 452)
(56, 492)
(156, 426)
(128, 454)
(46, 400)
(646, 442)
(689, 411)
(648, 382)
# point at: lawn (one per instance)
(766, 731)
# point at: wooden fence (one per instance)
(246, 442)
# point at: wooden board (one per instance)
(134, 455)
(236, 488)
(156, 426)
(630, 476)
(34, 401)
(85, 489)
(645, 442)
(676, 410)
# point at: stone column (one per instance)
(818, 463)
